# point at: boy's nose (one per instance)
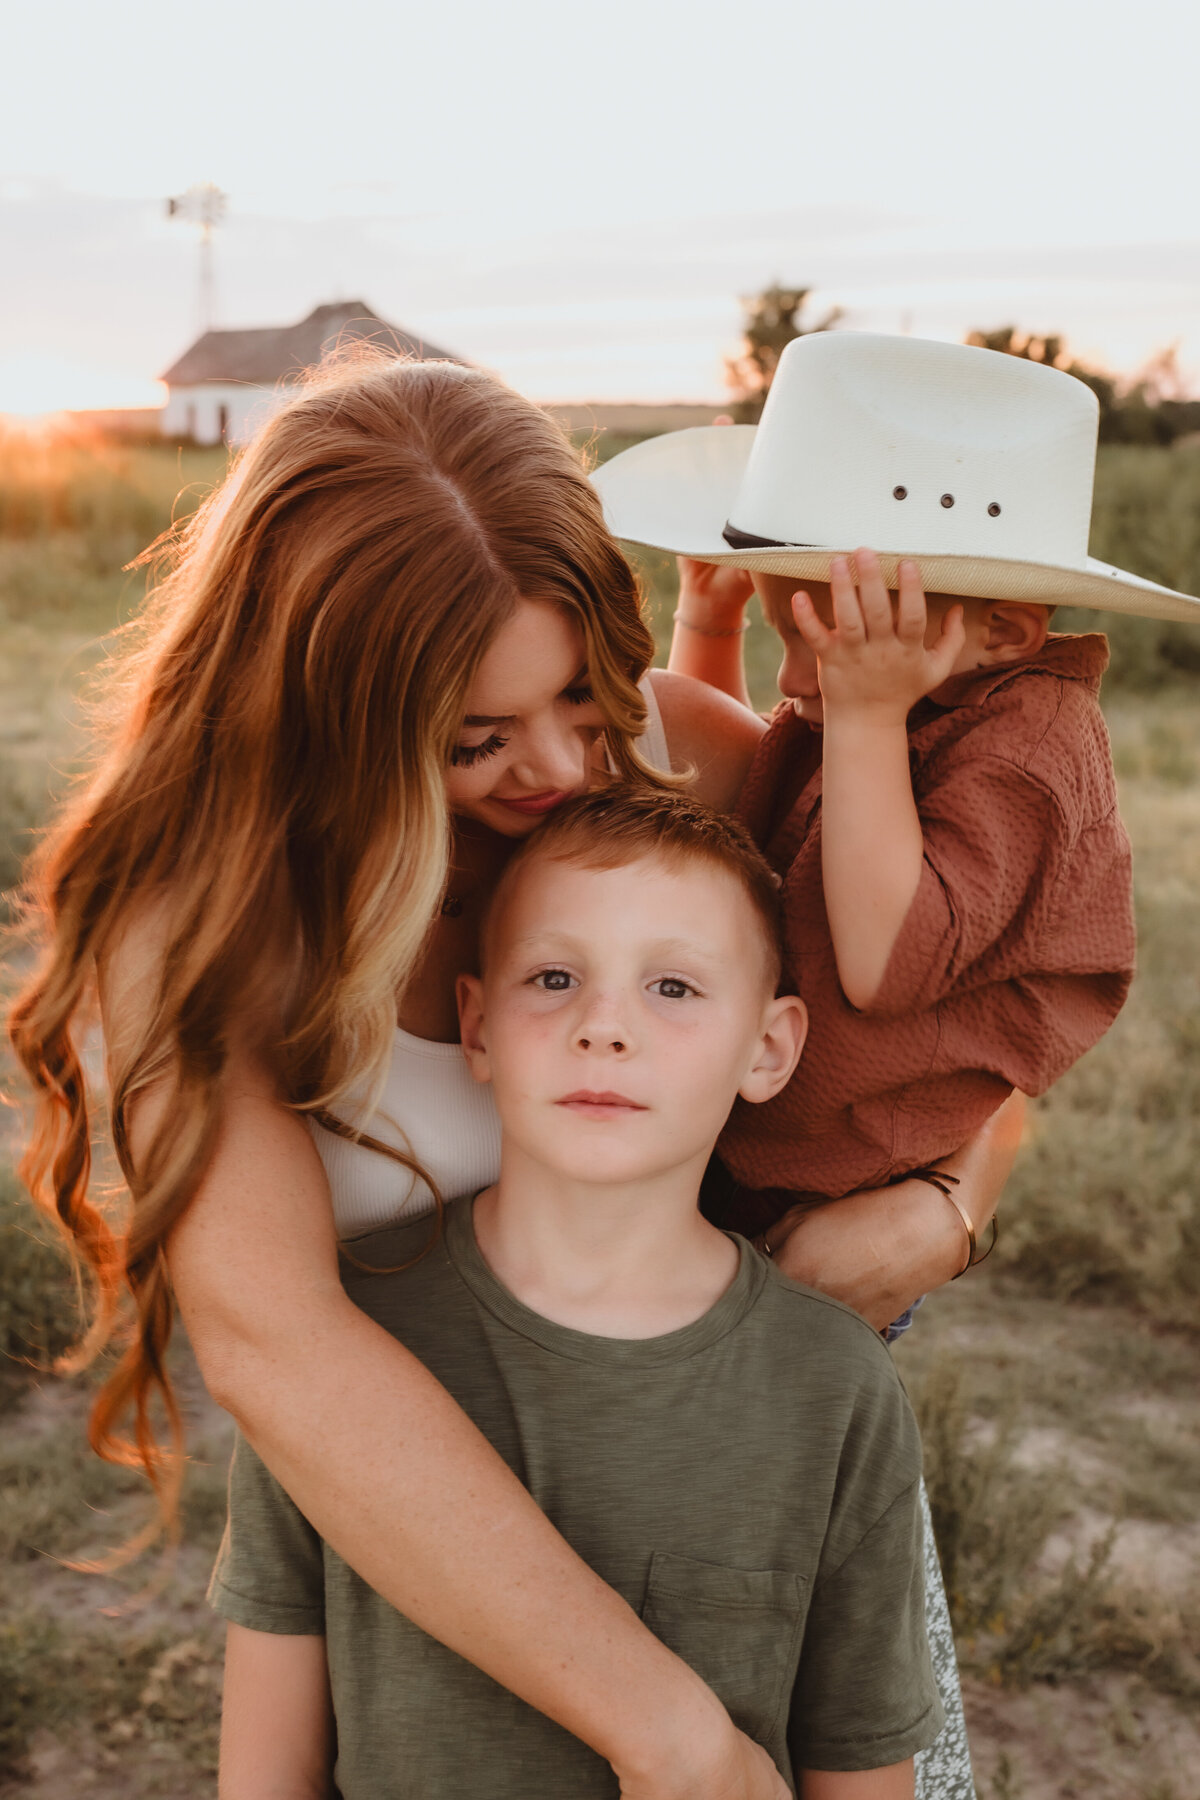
(603, 1028)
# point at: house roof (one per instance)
(274, 353)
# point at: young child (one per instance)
(732, 1452)
(936, 793)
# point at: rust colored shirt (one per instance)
(1015, 956)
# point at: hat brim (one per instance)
(675, 492)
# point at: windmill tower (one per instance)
(204, 206)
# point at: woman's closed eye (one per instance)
(579, 694)
(465, 756)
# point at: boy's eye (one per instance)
(553, 981)
(671, 988)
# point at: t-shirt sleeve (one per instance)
(270, 1569)
(994, 844)
(865, 1696)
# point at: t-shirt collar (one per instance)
(580, 1346)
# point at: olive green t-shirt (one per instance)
(748, 1483)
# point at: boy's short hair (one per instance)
(618, 825)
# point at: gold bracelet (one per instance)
(703, 631)
(943, 1182)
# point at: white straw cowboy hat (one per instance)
(977, 464)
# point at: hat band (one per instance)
(746, 540)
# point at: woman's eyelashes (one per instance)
(465, 756)
(579, 695)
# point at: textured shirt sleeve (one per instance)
(270, 1569)
(865, 1695)
(995, 839)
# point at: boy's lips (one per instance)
(603, 1105)
(533, 803)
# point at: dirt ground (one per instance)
(1110, 1736)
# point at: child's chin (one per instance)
(812, 712)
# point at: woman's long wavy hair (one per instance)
(271, 792)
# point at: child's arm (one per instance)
(893, 1783)
(710, 627)
(277, 1735)
(874, 667)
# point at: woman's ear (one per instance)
(785, 1027)
(1013, 630)
(468, 990)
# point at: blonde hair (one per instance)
(279, 756)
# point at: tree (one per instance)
(771, 320)
(1153, 408)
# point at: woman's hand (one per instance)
(879, 1249)
(734, 1768)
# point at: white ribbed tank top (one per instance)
(432, 1106)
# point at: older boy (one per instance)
(733, 1453)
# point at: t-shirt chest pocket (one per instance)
(740, 1629)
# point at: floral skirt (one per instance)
(944, 1770)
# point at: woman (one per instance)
(396, 637)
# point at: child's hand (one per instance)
(875, 661)
(712, 596)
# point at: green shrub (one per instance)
(39, 1311)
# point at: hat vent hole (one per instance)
(994, 510)
(947, 499)
(899, 493)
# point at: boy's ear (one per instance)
(468, 990)
(785, 1027)
(1013, 630)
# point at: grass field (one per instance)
(1058, 1386)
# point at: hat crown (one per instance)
(920, 447)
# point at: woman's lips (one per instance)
(533, 803)
(600, 1106)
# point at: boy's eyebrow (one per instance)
(659, 947)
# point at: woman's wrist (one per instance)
(701, 612)
(685, 1732)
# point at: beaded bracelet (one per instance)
(703, 631)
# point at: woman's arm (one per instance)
(880, 1249)
(708, 732)
(277, 1738)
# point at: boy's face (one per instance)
(620, 1013)
(798, 671)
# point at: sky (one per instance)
(576, 196)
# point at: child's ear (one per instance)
(469, 993)
(1012, 630)
(785, 1027)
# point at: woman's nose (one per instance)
(554, 757)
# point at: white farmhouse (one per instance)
(223, 388)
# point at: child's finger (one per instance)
(847, 614)
(809, 623)
(873, 596)
(911, 612)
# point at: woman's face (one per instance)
(531, 735)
